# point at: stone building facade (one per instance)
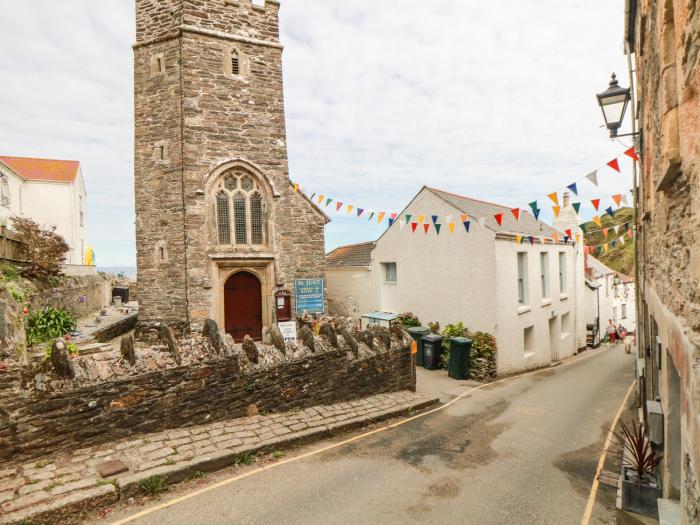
(665, 38)
(219, 227)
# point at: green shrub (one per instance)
(450, 331)
(483, 352)
(48, 324)
(9, 272)
(408, 319)
(153, 485)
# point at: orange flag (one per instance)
(617, 199)
(380, 218)
(555, 237)
(426, 227)
(516, 213)
(596, 219)
(296, 187)
(555, 197)
(605, 232)
(632, 152)
(350, 207)
(320, 198)
(556, 209)
(596, 203)
(464, 217)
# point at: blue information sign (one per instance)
(309, 296)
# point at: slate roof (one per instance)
(43, 169)
(351, 255)
(478, 209)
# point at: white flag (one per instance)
(593, 177)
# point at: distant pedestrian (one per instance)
(611, 332)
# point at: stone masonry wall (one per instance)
(79, 295)
(35, 424)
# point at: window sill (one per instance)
(546, 302)
(392, 283)
(564, 297)
(524, 309)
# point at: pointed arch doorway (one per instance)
(243, 306)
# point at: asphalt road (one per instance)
(519, 452)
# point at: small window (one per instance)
(235, 63)
(522, 282)
(389, 272)
(161, 251)
(240, 219)
(223, 218)
(82, 211)
(161, 152)
(5, 192)
(562, 272)
(623, 308)
(256, 221)
(544, 274)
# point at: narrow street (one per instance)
(523, 451)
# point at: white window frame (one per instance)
(387, 272)
(522, 277)
(562, 273)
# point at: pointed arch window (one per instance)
(240, 210)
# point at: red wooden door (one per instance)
(243, 306)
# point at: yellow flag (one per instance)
(421, 218)
(380, 218)
(605, 247)
(578, 237)
(350, 207)
(596, 219)
(296, 187)
(556, 209)
(555, 237)
(320, 198)
(555, 198)
(452, 228)
(519, 239)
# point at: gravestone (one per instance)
(60, 360)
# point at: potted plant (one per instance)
(641, 484)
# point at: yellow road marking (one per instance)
(594, 488)
(258, 470)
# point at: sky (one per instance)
(494, 100)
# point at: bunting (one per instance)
(617, 198)
(437, 228)
(451, 226)
(466, 225)
(573, 188)
(614, 164)
(557, 210)
(499, 218)
(632, 152)
(593, 177)
(414, 225)
(380, 217)
(554, 197)
(596, 203)
(577, 207)
(338, 205)
(426, 228)
(516, 214)
(359, 211)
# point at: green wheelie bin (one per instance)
(417, 333)
(460, 357)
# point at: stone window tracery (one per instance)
(240, 210)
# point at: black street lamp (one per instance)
(613, 101)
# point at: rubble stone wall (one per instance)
(36, 423)
(78, 295)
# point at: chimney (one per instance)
(567, 200)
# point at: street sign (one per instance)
(289, 331)
(309, 296)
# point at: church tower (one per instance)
(219, 228)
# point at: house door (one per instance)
(243, 306)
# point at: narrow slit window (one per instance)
(161, 250)
(240, 219)
(235, 63)
(223, 218)
(256, 221)
(161, 152)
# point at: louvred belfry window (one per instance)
(235, 63)
(240, 210)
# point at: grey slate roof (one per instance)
(351, 255)
(477, 209)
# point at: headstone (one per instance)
(307, 337)
(251, 351)
(366, 337)
(328, 332)
(211, 332)
(349, 340)
(127, 349)
(266, 337)
(277, 339)
(168, 338)
(60, 361)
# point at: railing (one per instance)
(11, 248)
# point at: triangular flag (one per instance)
(359, 211)
(516, 213)
(519, 239)
(617, 198)
(408, 218)
(328, 201)
(414, 225)
(566, 239)
(437, 228)
(632, 152)
(593, 177)
(605, 232)
(350, 207)
(452, 228)
(370, 216)
(380, 217)
(614, 165)
(578, 237)
(622, 239)
(624, 199)
(435, 218)
(532, 240)
(466, 225)
(577, 207)
(391, 222)
(537, 214)
(394, 215)
(568, 232)
(629, 232)
(338, 205)
(605, 247)
(555, 237)
(499, 218)
(555, 197)
(573, 188)
(421, 218)
(617, 229)
(614, 244)
(535, 209)
(312, 196)
(583, 227)
(610, 212)
(320, 198)
(296, 187)
(464, 217)
(426, 227)
(596, 204)
(556, 209)
(596, 219)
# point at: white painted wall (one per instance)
(14, 184)
(624, 294)
(349, 291)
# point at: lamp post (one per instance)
(613, 102)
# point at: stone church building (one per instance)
(220, 231)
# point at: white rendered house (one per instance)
(522, 293)
(51, 193)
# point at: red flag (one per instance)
(338, 205)
(516, 213)
(596, 203)
(414, 225)
(499, 218)
(426, 227)
(568, 232)
(393, 216)
(632, 152)
(614, 165)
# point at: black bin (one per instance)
(432, 351)
(121, 291)
(460, 357)
(417, 333)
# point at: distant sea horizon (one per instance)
(128, 271)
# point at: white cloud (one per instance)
(494, 100)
